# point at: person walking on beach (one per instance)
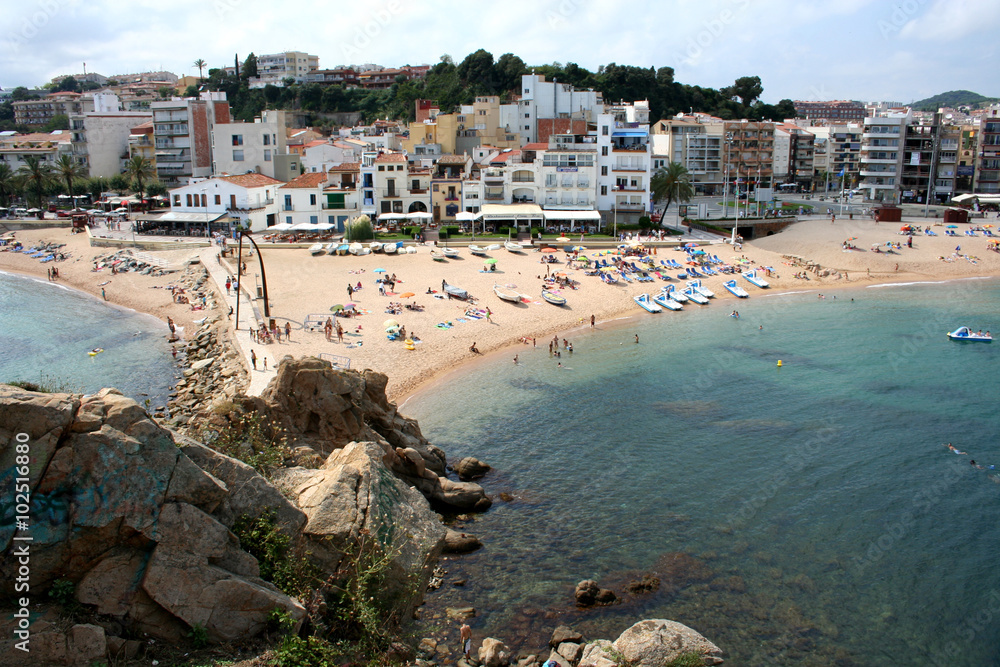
(264, 359)
(253, 359)
(592, 320)
(340, 333)
(104, 294)
(489, 314)
(350, 291)
(229, 284)
(288, 332)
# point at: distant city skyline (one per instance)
(867, 50)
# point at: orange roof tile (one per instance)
(346, 166)
(535, 147)
(309, 180)
(453, 159)
(391, 157)
(251, 180)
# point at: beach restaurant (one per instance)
(182, 223)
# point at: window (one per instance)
(189, 204)
(267, 155)
(397, 206)
(218, 200)
(267, 139)
(312, 200)
(232, 201)
(177, 200)
(313, 219)
(604, 130)
(288, 202)
(387, 207)
(604, 150)
(288, 219)
(527, 127)
(604, 190)
(237, 156)
(237, 140)
(527, 115)
(381, 167)
(204, 201)
(604, 170)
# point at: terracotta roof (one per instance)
(308, 180)
(346, 166)
(503, 157)
(251, 180)
(314, 142)
(453, 159)
(391, 157)
(535, 147)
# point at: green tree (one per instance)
(164, 91)
(672, 184)
(9, 183)
(58, 122)
(249, 68)
(155, 189)
(200, 64)
(96, 186)
(746, 88)
(20, 94)
(478, 72)
(509, 69)
(37, 175)
(68, 170)
(139, 170)
(118, 183)
(191, 91)
(67, 84)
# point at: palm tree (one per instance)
(200, 64)
(139, 169)
(672, 183)
(68, 170)
(37, 176)
(8, 183)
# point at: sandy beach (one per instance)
(301, 285)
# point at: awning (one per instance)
(465, 216)
(512, 211)
(629, 133)
(280, 227)
(572, 215)
(179, 216)
(368, 211)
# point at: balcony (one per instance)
(418, 191)
(493, 196)
(628, 188)
(493, 176)
(523, 179)
(628, 167)
(629, 148)
(391, 193)
(288, 207)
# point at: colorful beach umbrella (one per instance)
(406, 295)
(336, 309)
(550, 250)
(578, 248)
(390, 323)
(490, 261)
(379, 270)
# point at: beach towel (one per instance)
(443, 325)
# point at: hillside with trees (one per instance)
(452, 84)
(954, 99)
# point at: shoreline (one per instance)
(300, 284)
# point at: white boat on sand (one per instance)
(512, 247)
(507, 293)
(754, 279)
(317, 249)
(735, 289)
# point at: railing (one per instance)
(523, 179)
(288, 207)
(418, 191)
(391, 193)
(491, 196)
(630, 148)
(451, 198)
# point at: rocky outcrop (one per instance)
(460, 543)
(470, 468)
(119, 511)
(651, 643)
(493, 653)
(324, 409)
(589, 593)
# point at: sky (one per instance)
(868, 50)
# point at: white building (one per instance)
(549, 107)
(317, 198)
(101, 137)
(624, 163)
(274, 68)
(320, 156)
(398, 187)
(182, 131)
(241, 147)
(247, 200)
(882, 155)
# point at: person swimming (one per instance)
(955, 449)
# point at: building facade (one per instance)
(882, 156)
(241, 147)
(182, 130)
(38, 112)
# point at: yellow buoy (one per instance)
(779, 363)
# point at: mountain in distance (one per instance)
(953, 99)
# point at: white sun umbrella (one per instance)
(301, 227)
(419, 215)
(323, 226)
(465, 216)
(280, 227)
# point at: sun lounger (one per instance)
(708, 271)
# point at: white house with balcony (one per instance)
(882, 155)
(318, 198)
(399, 189)
(220, 204)
(241, 147)
(624, 162)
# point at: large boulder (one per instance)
(353, 495)
(493, 653)
(120, 511)
(470, 468)
(656, 642)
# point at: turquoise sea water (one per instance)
(46, 331)
(807, 514)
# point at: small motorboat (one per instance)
(754, 279)
(735, 289)
(450, 252)
(476, 250)
(507, 294)
(455, 292)
(967, 334)
(553, 298)
(390, 248)
(375, 246)
(672, 292)
(694, 295)
(493, 246)
(342, 249)
(438, 256)
(646, 303)
(355, 248)
(512, 247)
(667, 302)
(331, 248)
(701, 289)
(317, 249)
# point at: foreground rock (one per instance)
(650, 643)
(120, 512)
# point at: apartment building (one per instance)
(550, 107)
(965, 172)
(624, 163)
(398, 188)
(987, 173)
(141, 143)
(258, 146)
(101, 137)
(39, 111)
(274, 68)
(749, 154)
(317, 198)
(833, 111)
(696, 142)
(882, 155)
(48, 147)
(182, 130)
(447, 181)
(794, 156)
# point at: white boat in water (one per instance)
(754, 279)
(967, 334)
(735, 289)
(672, 292)
(647, 304)
(668, 303)
(701, 289)
(512, 247)
(694, 295)
(317, 249)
